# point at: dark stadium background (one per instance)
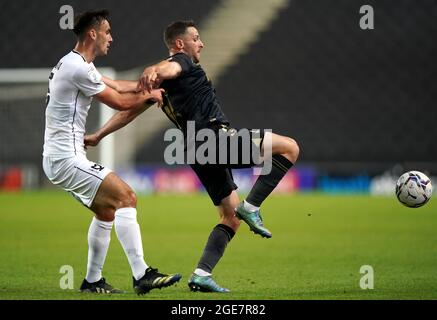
(357, 101)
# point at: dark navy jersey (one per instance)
(191, 96)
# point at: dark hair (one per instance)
(176, 29)
(89, 19)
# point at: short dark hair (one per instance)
(87, 20)
(176, 29)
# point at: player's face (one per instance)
(104, 38)
(192, 44)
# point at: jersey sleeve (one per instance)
(183, 60)
(88, 80)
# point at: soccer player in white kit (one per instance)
(73, 82)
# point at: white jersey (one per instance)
(72, 84)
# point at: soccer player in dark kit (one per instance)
(190, 97)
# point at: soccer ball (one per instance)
(413, 189)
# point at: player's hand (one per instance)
(149, 80)
(156, 97)
(91, 140)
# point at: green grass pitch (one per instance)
(319, 244)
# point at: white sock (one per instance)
(201, 272)
(99, 236)
(250, 207)
(129, 235)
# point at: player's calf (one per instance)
(285, 152)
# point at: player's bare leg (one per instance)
(113, 194)
(221, 235)
(115, 202)
(284, 146)
(226, 211)
(285, 152)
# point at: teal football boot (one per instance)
(204, 284)
(253, 219)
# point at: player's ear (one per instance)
(179, 43)
(93, 34)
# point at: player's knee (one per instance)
(292, 149)
(103, 213)
(131, 199)
(127, 199)
(235, 224)
(231, 221)
(107, 215)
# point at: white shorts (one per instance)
(76, 175)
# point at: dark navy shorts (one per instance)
(243, 149)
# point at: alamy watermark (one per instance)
(224, 146)
(368, 279)
(67, 20)
(67, 279)
(367, 21)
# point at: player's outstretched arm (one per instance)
(121, 86)
(153, 76)
(117, 121)
(129, 100)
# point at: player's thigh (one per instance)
(238, 149)
(217, 180)
(76, 175)
(114, 193)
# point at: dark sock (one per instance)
(215, 247)
(265, 184)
